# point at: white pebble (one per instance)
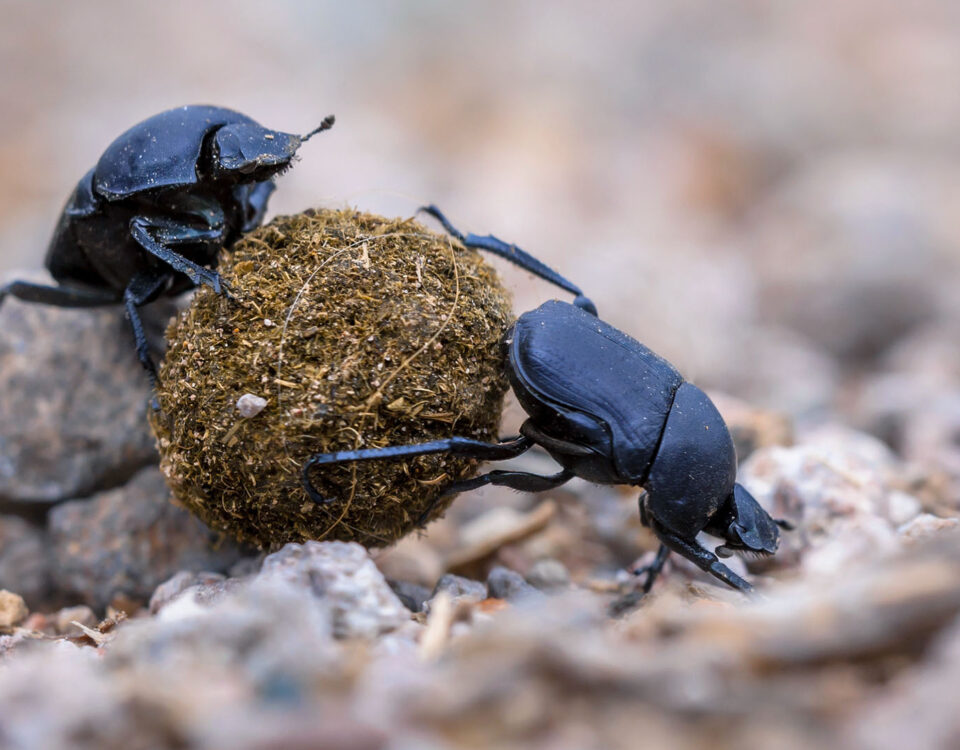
(249, 405)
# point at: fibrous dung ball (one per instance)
(344, 331)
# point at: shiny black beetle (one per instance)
(610, 411)
(151, 217)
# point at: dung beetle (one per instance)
(152, 216)
(609, 411)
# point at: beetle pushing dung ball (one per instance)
(610, 411)
(152, 216)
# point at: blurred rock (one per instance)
(344, 578)
(24, 560)
(412, 595)
(925, 526)
(171, 589)
(841, 489)
(548, 575)
(13, 610)
(459, 587)
(503, 583)
(123, 543)
(72, 401)
(65, 621)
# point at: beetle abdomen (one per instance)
(696, 466)
(599, 377)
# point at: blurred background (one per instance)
(765, 193)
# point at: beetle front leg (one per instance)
(155, 236)
(515, 255)
(702, 558)
(144, 288)
(653, 570)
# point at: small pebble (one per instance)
(13, 609)
(458, 586)
(548, 574)
(67, 616)
(504, 583)
(250, 405)
(412, 595)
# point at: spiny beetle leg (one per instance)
(457, 445)
(515, 255)
(702, 558)
(58, 296)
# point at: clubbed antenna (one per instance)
(325, 125)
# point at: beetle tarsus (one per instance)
(652, 571)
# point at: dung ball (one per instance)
(343, 330)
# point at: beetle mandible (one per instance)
(152, 216)
(609, 411)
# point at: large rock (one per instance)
(121, 544)
(342, 576)
(24, 560)
(73, 401)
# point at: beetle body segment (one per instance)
(161, 152)
(697, 442)
(571, 371)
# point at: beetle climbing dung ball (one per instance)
(357, 331)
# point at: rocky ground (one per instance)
(513, 622)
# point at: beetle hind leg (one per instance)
(515, 255)
(58, 296)
(456, 445)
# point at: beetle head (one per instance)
(744, 525)
(247, 152)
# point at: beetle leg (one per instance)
(144, 287)
(703, 559)
(515, 255)
(515, 480)
(59, 296)
(155, 236)
(456, 445)
(653, 569)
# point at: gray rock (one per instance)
(171, 589)
(24, 560)
(503, 583)
(413, 595)
(72, 401)
(458, 587)
(125, 542)
(344, 578)
(548, 574)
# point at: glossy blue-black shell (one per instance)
(160, 152)
(583, 380)
(695, 467)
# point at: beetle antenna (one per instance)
(325, 125)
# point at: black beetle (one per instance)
(151, 217)
(610, 411)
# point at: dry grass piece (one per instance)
(358, 331)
